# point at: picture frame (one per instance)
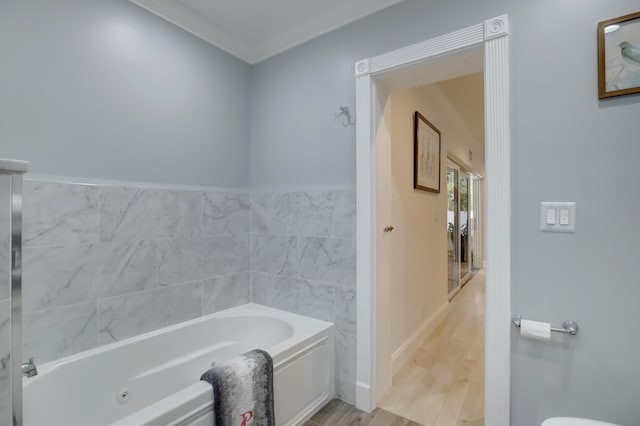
(619, 56)
(427, 145)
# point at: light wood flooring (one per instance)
(338, 413)
(442, 384)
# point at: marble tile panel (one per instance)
(5, 342)
(130, 315)
(315, 217)
(226, 213)
(57, 276)
(259, 213)
(345, 214)
(60, 213)
(345, 309)
(226, 292)
(345, 357)
(260, 288)
(194, 259)
(346, 391)
(301, 297)
(301, 213)
(274, 254)
(56, 333)
(328, 259)
(129, 213)
(188, 213)
(283, 213)
(126, 267)
(244, 247)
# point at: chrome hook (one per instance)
(345, 113)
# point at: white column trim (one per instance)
(365, 244)
(493, 33)
(498, 233)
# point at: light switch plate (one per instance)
(561, 224)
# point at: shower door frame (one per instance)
(15, 170)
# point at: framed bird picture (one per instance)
(619, 56)
(426, 154)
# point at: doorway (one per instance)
(429, 337)
(372, 370)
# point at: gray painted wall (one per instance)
(109, 91)
(104, 89)
(295, 138)
(570, 146)
(567, 145)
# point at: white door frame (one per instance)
(493, 34)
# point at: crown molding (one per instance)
(191, 21)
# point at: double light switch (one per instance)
(558, 216)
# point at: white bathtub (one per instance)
(153, 379)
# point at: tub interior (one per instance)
(116, 380)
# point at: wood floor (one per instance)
(442, 384)
(338, 413)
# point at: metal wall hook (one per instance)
(345, 113)
(568, 327)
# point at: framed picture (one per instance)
(426, 154)
(619, 56)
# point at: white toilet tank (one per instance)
(574, 421)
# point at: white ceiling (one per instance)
(254, 30)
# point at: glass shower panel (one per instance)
(5, 293)
(452, 230)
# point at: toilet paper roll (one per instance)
(535, 329)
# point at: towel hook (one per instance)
(345, 113)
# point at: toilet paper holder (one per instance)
(568, 327)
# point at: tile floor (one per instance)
(338, 413)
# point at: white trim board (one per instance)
(493, 34)
(404, 352)
(37, 177)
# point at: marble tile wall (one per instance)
(104, 263)
(303, 260)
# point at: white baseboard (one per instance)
(402, 354)
(364, 401)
